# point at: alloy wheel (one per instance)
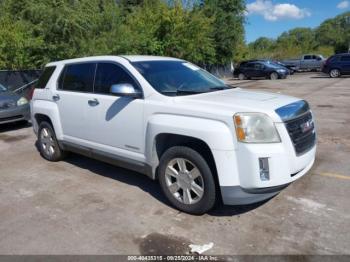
(47, 141)
(184, 181)
(274, 76)
(335, 73)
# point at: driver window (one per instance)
(258, 66)
(108, 74)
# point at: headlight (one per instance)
(281, 70)
(22, 101)
(255, 128)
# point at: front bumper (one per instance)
(239, 170)
(18, 113)
(237, 195)
(283, 75)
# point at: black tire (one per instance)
(57, 154)
(208, 198)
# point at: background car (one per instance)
(291, 68)
(13, 107)
(258, 69)
(337, 65)
(306, 62)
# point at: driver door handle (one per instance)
(93, 102)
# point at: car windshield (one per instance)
(272, 64)
(174, 78)
(2, 88)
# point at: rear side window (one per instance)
(258, 66)
(45, 77)
(307, 57)
(78, 77)
(250, 65)
(108, 74)
(345, 58)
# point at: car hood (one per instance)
(238, 100)
(8, 96)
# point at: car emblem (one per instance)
(305, 127)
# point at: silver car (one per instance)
(13, 107)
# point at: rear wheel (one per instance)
(187, 180)
(47, 143)
(273, 76)
(334, 73)
(242, 76)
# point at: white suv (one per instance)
(174, 122)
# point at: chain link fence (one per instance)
(221, 71)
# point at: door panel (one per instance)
(345, 64)
(259, 70)
(74, 114)
(117, 121)
(74, 91)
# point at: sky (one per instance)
(270, 18)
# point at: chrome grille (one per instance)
(302, 132)
(300, 125)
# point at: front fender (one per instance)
(216, 134)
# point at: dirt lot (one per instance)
(81, 206)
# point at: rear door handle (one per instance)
(56, 97)
(93, 102)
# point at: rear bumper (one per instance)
(15, 114)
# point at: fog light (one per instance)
(264, 169)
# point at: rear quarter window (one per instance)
(45, 77)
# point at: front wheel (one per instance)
(186, 180)
(273, 76)
(334, 73)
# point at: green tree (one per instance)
(18, 48)
(160, 29)
(335, 32)
(228, 30)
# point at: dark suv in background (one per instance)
(337, 65)
(258, 69)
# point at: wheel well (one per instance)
(166, 141)
(41, 117)
(332, 68)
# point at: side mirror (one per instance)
(125, 89)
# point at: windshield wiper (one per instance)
(222, 87)
(218, 88)
(184, 91)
